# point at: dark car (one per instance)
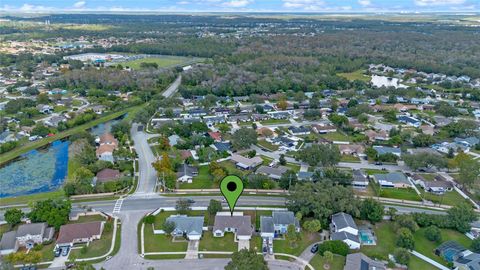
(378, 163)
(58, 251)
(314, 248)
(190, 200)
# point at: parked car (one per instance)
(190, 200)
(58, 251)
(65, 251)
(378, 163)
(270, 250)
(314, 248)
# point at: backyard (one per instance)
(318, 262)
(267, 145)
(282, 246)
(449, 198)
(202, 181)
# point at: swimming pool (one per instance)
(366, 238)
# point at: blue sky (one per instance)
(242, 5)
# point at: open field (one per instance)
(318, 262)
(161, 61)
(356, 75)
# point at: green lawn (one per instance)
(32, 198)
(267, 145)
(319, 261)
(356, 75)
(282, 246)
(293, 167)
(91, 218)
(427, 247)
(416, 263)
(349, 158)
(161, 242)
(274, 121)
(97, 247)
(163, 61)
(385, 242)
(336, 136)
(3, 229)
(449, 198)
(203, 181)
(400, 193)
(232, 169)
(211, 243)
(375, 171)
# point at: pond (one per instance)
(380, 81)
(36, 171)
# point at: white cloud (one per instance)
(236, 3)
(364, 3)
(438, 2)
(34, 8)
(79, 4)
(304, 4)
(183, 3)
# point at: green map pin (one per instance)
(231, 188)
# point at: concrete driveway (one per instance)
(243, 244)
(192, 249)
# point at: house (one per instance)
(266, 227)
(216, 136)
(173, 139)
(468, 142)
(105, 152)
(438, 187)
(55, 120)
(281, 221)
(71, 234)
(186, 173)
(221, 146)
(359, 261)
(376, 136)
(450, 251)
(343, 228)
(197, 112)
(392, 179)
(323, 129)
(467, 260)
(213, 119)
(239, 118)
(279, 114)
(190, 227)
(404, 107)
(239, 224)
(7, 136)
(408, 120)
(274, 173)
(382, 150)
(45, 109)
(286, 143)
(27, 236)
(301, 130)
(108, 139)
(246, 163)
(351, 149)
(427, 129)
(360, 180)
(99, 109)
(304, 176)
(107, 175)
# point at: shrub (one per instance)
(150, 219)
(405, 239)
(432, 233)
(402, 256)
(335, 246)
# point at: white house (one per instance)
(238, 224)
(343, 228)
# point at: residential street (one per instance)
(147, 175)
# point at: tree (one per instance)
(328, 256)
(460, 216)
(423, 140)
(338, 120)
(282, 160)
(243, 138)
(213, 207)
(390, 116)
(312, 226)
(288, 179)
(406, 221)
(246, 260)
(168, 227)
(320, 155)
(402, 256)
(292, 236)
(371, 153)
(54, 212)
(183, 206)
(371, 210)
(405, 239)
(13, 216)
(282, 104)
(469, 171)
(149, 219)
(425, 160)
(433, 234)
(475, 246)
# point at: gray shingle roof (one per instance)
(188, 225)
(31, 229)
(8, 240)
(344, 236)
(242, 224)
(394, 177)
(284, 218)
(266, 224)
(358, 261)
(342, 220)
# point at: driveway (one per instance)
(243, 244)
(192, 250)
(59, 261)
(306, 254)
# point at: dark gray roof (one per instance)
(358, 261)
(243, 224)
(382, 150)
(187, 170)
(31, 229)
(394, 177)
(273, 172)
(342, 220)
(359, 176)
(284, 218)
(8, 240)
(222, 146)
(266, 224)
(188, 225)
(344, 236)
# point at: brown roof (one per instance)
(107, 174)
(70, 232)
(108, 138)
(105, 148)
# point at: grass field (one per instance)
(163, 61)
(211, 243)
(274, 121)
(336, 136)
(349, 158)
(400, 193)
(267, 145)
(356, 75)
(385, 242)
(161, 242)
(32, 198)
(282, 246)
(318, 262)
(449, 198)
(202, 181)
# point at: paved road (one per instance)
(172, 89)
(147, 174)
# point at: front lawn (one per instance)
(274, 121)
(400, 193)
(202, 181)
(282, 246)
(85, 219)
(449, 198)
(267, 145)
(318, 262)
(161, 242)
(349, 158)
(211, 243)
(336, 136)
